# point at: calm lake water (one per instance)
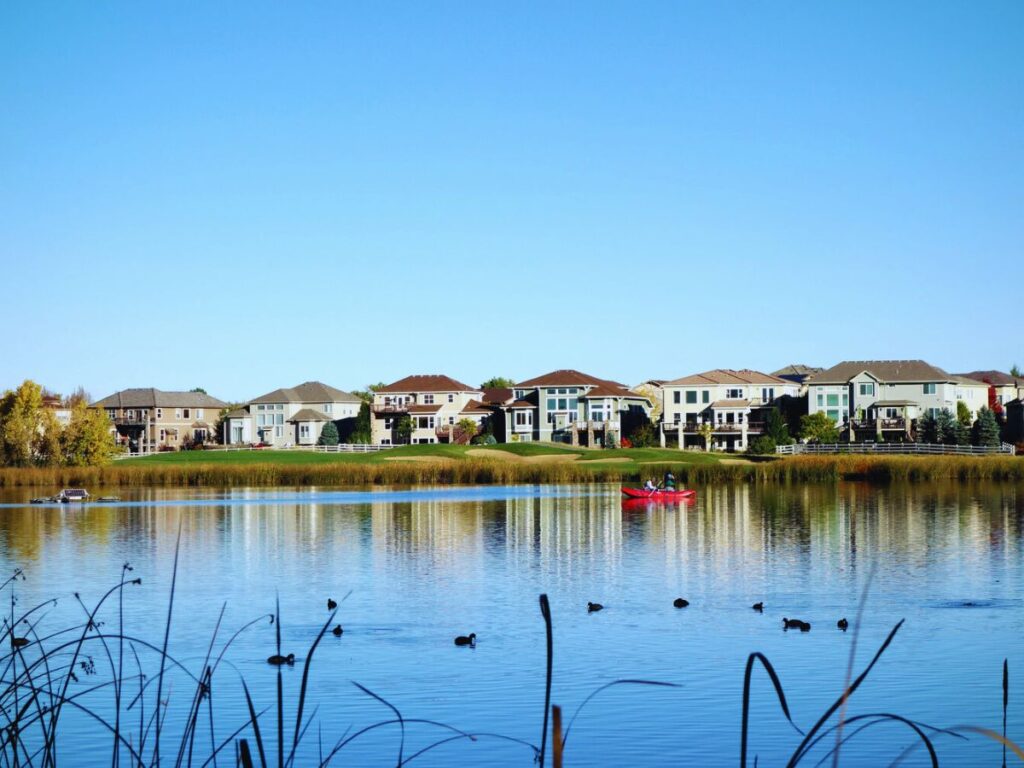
(420, 566)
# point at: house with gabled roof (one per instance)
(733, 402)
(435, 404)
(1005, 387)
(799, 374)
(290, 416)
(573, 407)
(882, 399)
(149, 419)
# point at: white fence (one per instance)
(918, 448)
(340, 448)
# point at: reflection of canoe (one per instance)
(659, 495)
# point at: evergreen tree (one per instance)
(927, 431)
(944, 422)
(775, 427)
(497, 382)
(963, 413)
(986, 429)
(361, 433)
(328, 435)
(961, 434)
(405, 428)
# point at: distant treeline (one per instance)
(490, 472)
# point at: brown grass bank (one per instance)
(486, 471)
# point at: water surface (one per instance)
(422, 565)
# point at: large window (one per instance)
(524, 418)
(832, 400)
(551, 403)
(929, 389)
(767, 394)
(428, 399)
(867, 389)
(691, 396)
(734, 394)
(833, 414)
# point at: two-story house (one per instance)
(1005, 387)
(150, 419)
(881, 399)
(434, 404)
(573, 407)
(290, 416)
(733, 403)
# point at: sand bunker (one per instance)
(422, 459)
(491, 453)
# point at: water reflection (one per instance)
(426, 565)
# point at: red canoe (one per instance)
(662, 495)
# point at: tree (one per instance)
(497, 382)
(963, 413)
(361, 432)
(775, 428)
(366, 395)
(944, 422)
(467, 427)
(328, 435)
(21, 425)
(405, 428)
(76, 397)
(818, 428)
(86, 440)
(1015, 371)
(643, 435)
(199, 390)
(762, 446)
(705, 430)
(48, 447)
(961, 433)
(927, 429)
(986, 429)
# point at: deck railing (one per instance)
(931, 449)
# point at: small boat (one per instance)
(659, 494)
(72, 494)
(108, 499)
(41, 500)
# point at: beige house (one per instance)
(433, 402)
(147, 420)
(290, 416)
(1006, 388)
(733, 402)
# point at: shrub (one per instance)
(642, 437)
(328, 435)
(762, 446)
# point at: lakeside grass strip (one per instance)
(496, 472)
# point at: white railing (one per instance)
(918, 448)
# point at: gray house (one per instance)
(290, 416)
(149, 419)
(882, 399)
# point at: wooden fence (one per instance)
(929, 449)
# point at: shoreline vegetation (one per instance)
(511, 464)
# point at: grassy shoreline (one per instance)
(542, 464)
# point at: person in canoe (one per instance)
(669, 483)
(650, 487)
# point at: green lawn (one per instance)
(593, 458)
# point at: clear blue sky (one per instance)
(242, 196)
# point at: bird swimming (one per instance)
(337, 631)
(680, 602)
(803, 626)
(843, 624)
(469, 640)
(759, 607)
(331, 604)
(277, 659)
(594, 607)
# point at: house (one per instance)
(290, 416)
(882, 399)
(651, 389)
(56, 405)
(972, 393)
(734, 403)
(151, 420)
(798, 374)
(573, 407)
(1005, 387)
(434, 403)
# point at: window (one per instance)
(705, 396)
(199, 413)
(451, 398)
(675, 397)
(574, 404)
(327, 407)
(130, 414)
(929, 389)
(303, 430)
(691, 396)
(177, 413)
(279, 431)
(551, 403)
(867, 389)
(111, 413)
(524, 418)
(734, 394)
(821, 400)
(185, 412)
(846, 399)
(832, 400)
(389, 423)
(519, 394)
(768, 394)
(562, 391)
(563, 404)
(833, 414)
(428, 399)
(163, 435)
(159, 413)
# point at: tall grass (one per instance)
(487, 472)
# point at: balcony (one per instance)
(390, 409)
(692, 428)
(899, 425)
